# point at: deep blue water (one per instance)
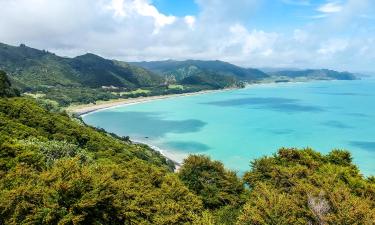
(240, 125)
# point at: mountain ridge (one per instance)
(181, 69)
(33, 68)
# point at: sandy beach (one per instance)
(81, 110)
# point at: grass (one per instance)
(176, 86)
(138, 91)
(35, 95)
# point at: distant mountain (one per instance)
(276, 69)
(183, 69)
(96, 71)
(32, 68)
(317, 74)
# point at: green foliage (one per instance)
(90, 78)
(268, 206)
(72, 192)
(322, 74)
(303, 186)
(35, 68)
(55, 150)
(5, 86)
(212, 80)
(55, 170)
(211, 181)
(183, 69)
(22, 119)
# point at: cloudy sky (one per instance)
(336, 34)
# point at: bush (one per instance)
(211, 181)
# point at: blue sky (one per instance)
(270, 14)
(177, 7)
(334, 34)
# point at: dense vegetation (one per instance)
(179, 70)
(5, 86)
(90, 78)
(305, 187)
(322, 74)
(54, 169)
(31, 68)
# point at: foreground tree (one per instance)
(209, 179)
(305, 187)
(72, 192)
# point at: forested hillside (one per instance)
(90, 78)
(322, 74)
(56, 170)
(182, 69)
(32, 68)
(5, 86)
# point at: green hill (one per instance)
(318, 74)
(30, 68)
(182, 69)
(90, 78)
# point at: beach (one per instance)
(83, 109)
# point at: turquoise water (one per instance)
(240, 125)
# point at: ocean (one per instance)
(238, 126)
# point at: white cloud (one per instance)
(254, 42)
(330, 7)
(136, 30)
(134, 8)
(190, 21)
(333, 46)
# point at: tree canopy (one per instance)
(5, 86)
(54, 169)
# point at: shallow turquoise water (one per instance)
(238, 126)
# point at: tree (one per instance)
(267, 205)
(5, 86)
(305, 187)
(209, 179)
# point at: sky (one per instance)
(333, 34)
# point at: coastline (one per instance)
(176, 162)
(82, 110)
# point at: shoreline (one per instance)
(176, 163)
(82, 110)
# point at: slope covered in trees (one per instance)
(90, 78)
(57, 170)
(322, 74)
(5, 86)
(32, 68)
(182, 69)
